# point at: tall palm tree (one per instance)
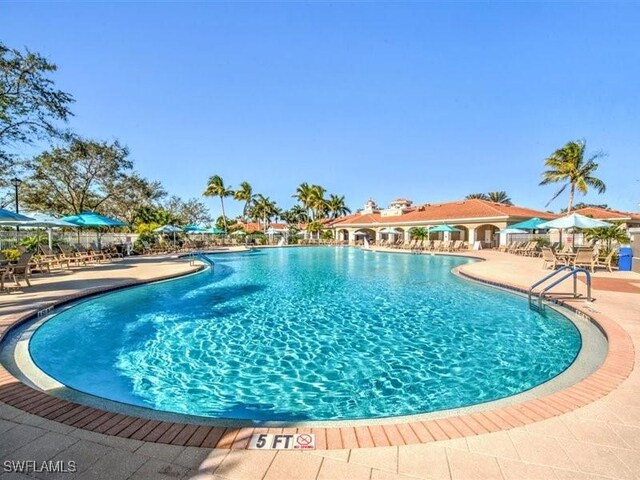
(263, 208)
(336, 206)
(304, 196)
(244, 194)
(499, 197)
(216, 188)
(480, 196)
(568, 165)
(317, 202)
(299, 213)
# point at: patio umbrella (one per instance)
(193, 229)
(511, 231)
(12, 219)
(49, 222)
(238, 232)
(214, 231)
(444, 228)
(575, 220)
(531, 224)
(93, 220)
(389, 230)
(169, 229)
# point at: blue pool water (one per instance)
(309, 333)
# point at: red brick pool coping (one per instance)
(616, 368)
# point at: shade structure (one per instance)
(273, 231)
(48, 221)
(92, 219)
(193, 229)
(531, 224)
(575, 220)
(13, 219)
(238, 232)
(444, 228)
(511, 231)
(168, 229)
(389, 230)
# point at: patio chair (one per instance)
(549, 259)
(607, 262)
(72, 256)
(21, 269)
(585, 258)
(59, 260)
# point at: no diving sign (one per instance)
(281, 441)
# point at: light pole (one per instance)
(15, 181)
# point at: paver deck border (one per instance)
(616, 367)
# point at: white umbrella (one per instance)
(389, 230)
(49, 222)
(575, 220)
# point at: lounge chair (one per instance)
(59, 260)
(549, 259)
(71, 255)
(606, 262)
(21, 269)
(585, 257)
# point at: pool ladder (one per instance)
(197, 255)
(567, 272)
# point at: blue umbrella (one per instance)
(92, 219)
(193, 229)
(444, 228)
(531, 224)
(48, 221)
(214, 231)
(8, 217)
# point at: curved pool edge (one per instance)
(617, 366)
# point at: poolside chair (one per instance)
(21, 269)
(607, 262)
(585, 258)
(549, 259)
(90, 255)
(71, 255)
(47, 253)
(436, 245)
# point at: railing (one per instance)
(197, 255)
(568, 272)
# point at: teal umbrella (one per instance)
(193, 229)
(444, 228)
(531, 224)
(214, 231)
(169, 229)
(92, 219)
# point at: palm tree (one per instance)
(263, 208)
(244, 194)
(336, 206)
(216, 188)
(499, 197)
(419, 233)
(299, 214)
(479, 196)
(568, 165)
(614, 233)
(303, 195)
(317, 201)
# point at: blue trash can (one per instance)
(624, 259)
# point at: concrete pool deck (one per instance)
(600, 438)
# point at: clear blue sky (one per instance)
(426, 101)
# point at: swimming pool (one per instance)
(307, 334)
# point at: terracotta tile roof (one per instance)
(258, 227)
(606, 214)
(438, 212)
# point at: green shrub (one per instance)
(11, 254)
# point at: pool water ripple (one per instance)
(313, 333)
